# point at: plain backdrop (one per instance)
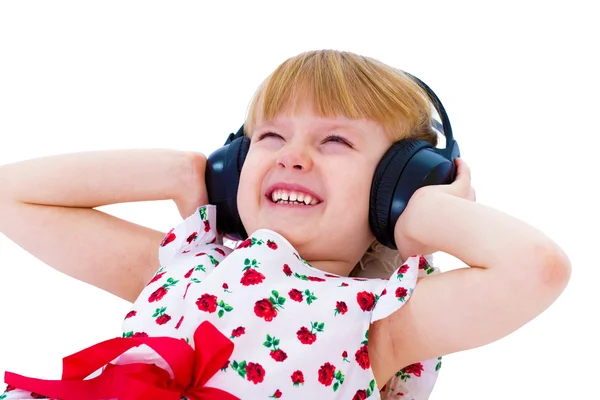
(519, 81)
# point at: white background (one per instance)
(519, 81)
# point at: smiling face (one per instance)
(319, 125)
(309, 178)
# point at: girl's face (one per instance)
(327, 165)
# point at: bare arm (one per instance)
(47, 208)
(516, 273)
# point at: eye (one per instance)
(337, 139)
(269, 134)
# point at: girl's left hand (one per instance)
(461, 187)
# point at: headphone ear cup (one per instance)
(222, 178)
(385, 181)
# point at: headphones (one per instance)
(408, 165)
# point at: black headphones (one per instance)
(408, 165)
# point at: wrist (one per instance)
(192, 192)
(407, 228)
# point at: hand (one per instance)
(194, 194)
(461, 187)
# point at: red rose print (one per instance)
(225, 286)
(423, 264)
(272, 245)
(315, 279)
(331, 276)
(255, 373)
(192, 237)
(403, 269)
(220, 251)
(298, 378)
(340, 308)
(278, 355)
(305, 336)
(362, 357)
(344, 354)
(287, 270)
(245, 244)
(366, 300)
(237, 332)
(179, 322)
(169, 237)
(401, 293)
(360, 395)
(207, 302)
(200, 254)
(206, 226)
(140, 334)
(161, 316)
(295, 295)
(157, 294)
(326, 373)
(264, 309)
(414, 369)
(276, 395)
(35, 395)
(131, 314)
(384, 292)
(360, 279)
(189, 273)
(252, 277)
(344, 284)
(10, 388)
(157, 277)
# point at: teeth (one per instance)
(292, 197)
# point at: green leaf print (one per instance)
(310, 296)
(372, 384)
(303, 277)
(318, 327)
(203, 213)
(240, 368)
(223, 308)
(250, 264)
(336, 386)
(3, 396)
(159, 311)
(366, 341)
(213, 260)
(170, 282)
(200, 268)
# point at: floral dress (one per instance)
(257, 322)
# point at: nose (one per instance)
(295, 158)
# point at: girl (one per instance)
(283, 315)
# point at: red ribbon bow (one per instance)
(191, 370)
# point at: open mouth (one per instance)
(292, 197)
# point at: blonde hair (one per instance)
(340, 83)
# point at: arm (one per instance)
(47, 208)
(516, 273)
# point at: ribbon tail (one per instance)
(211, 357)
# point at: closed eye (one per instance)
(269, 134)
(337, 139)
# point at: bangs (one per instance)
(335, 83)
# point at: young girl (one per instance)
(290, 312)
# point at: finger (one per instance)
(463, 169)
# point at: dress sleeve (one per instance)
(197, 230)
(399, 288)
